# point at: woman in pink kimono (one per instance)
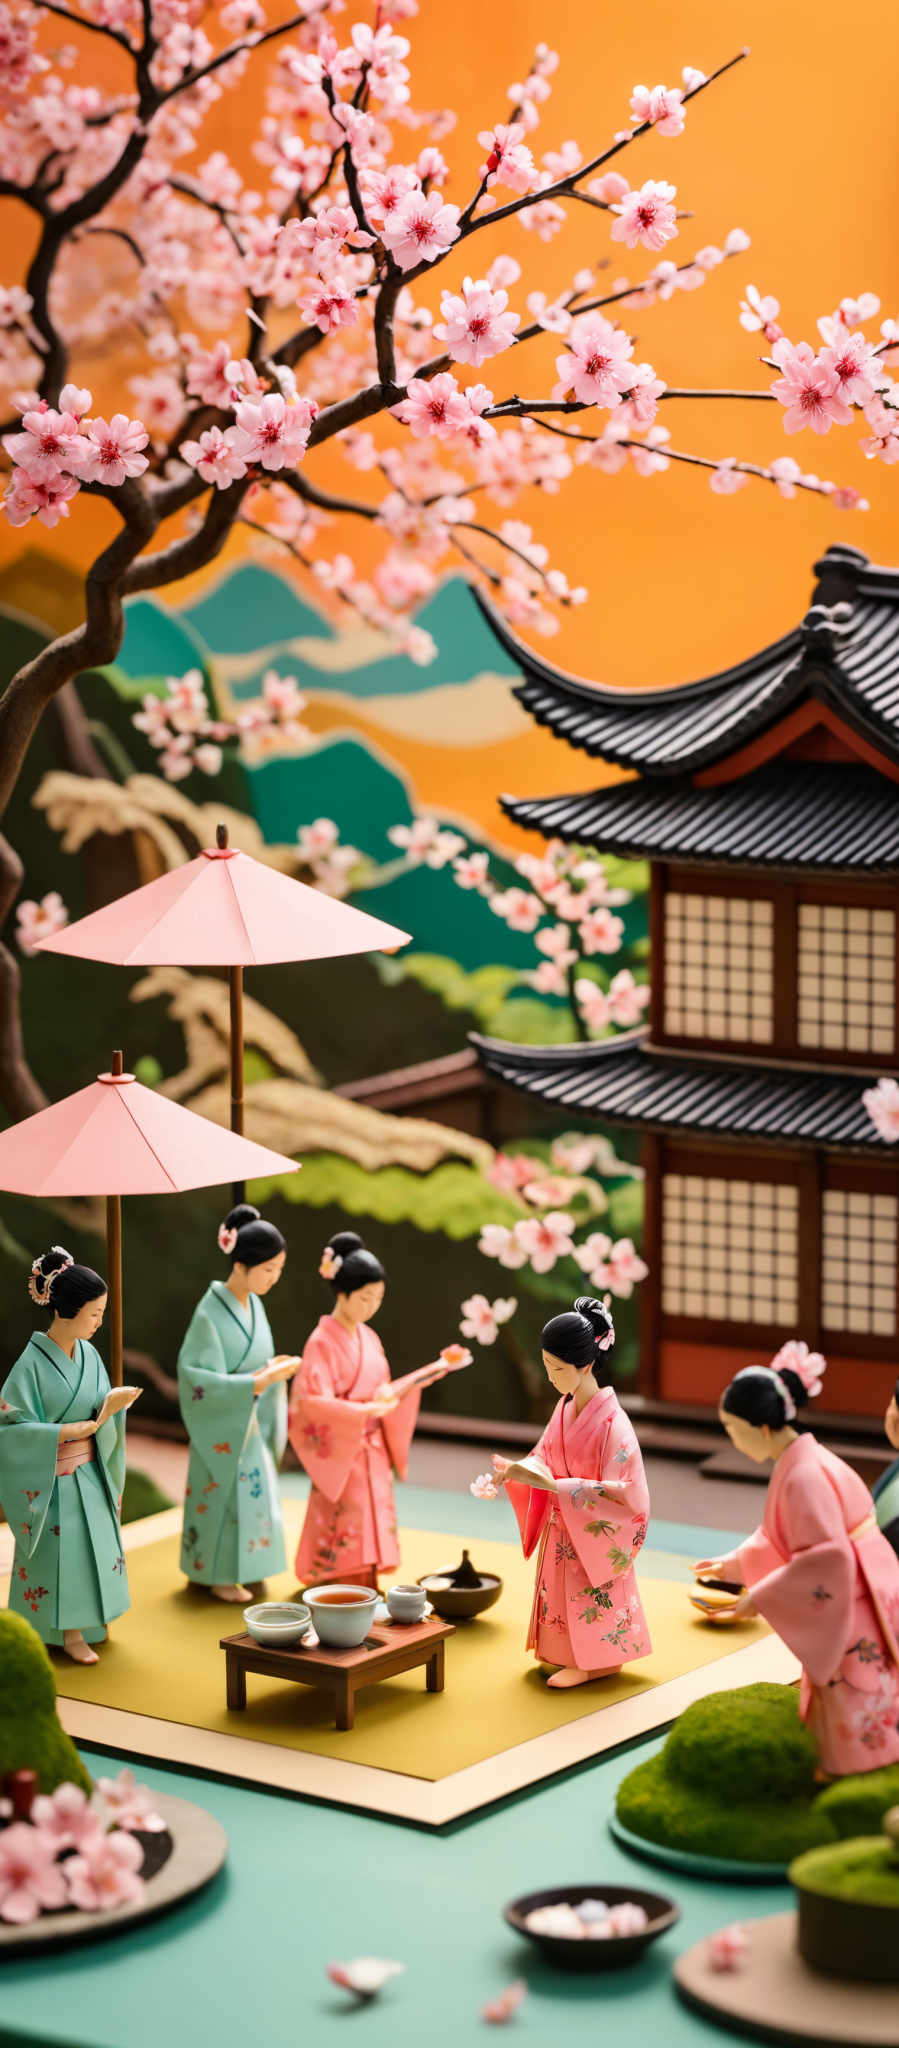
(350, 1427)
(582, 1498)
(818, 1569)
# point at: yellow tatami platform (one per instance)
(159, 1689)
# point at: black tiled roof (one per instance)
(802, 815)
(845, 653)
(624, 1080)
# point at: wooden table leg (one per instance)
(434, 1677)
(235, 1683)
(344, 1704)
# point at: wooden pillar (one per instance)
(809, 1179)
(650, 1311)
(235, 982)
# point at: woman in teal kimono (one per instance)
(886, 1490)
(62, 1466)
(234, 1406)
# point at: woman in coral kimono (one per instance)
(818, 1568)
(62, 1466)
(234, 1409)
(582, 1498)
(350, 1427)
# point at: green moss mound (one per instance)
(31, 1735)
(856, 1806)
(744, 1745)
(664, 1809)
(142, 1497)
(866, 1870)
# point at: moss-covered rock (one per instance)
(31, 1735)
(662, 1808)
(856, 1806)
(744, 1745)
(865, 1870)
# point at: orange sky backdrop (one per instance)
(798, 146)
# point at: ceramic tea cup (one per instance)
(407, 1603)
(342, 1615)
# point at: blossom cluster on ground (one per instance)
(74, 1850)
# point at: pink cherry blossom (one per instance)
(593, 1003)
(649, 458)
(759, 315)
(37, 921)
(591, 1256)
(51, 442)
(854, 365)
(551, 1191)
(498, 2010)
(423, 841)
(44, 498)
(627, 998)
(475, 323)
(420, 229)
(609, 187)
(318, 838)
(509, 161)
(215, 457)
(272, 433)
(471, 872)
(600, 931)
(808, 390)
(663, 106)
(31, 1880)
(434, 405)
(786, 473)
(67, 1817)
(549, 978)
(646, 217)
(483, 1487)
(328, 306)
(883, 441)
(518, 909)
(545, 1239)
(482, 1319)
(727, 1949)
(497, 1241)
(726, 478)
(113, 450)
(105, 1872)
(624, 1268)
(130, 1804)
(206, 371)
(511, 1171)
(597, 367)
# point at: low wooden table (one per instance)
(390, 1647)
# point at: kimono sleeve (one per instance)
(325, 1431)
(110, 1440)
(216, 1406)
(28, 1451)
(399, 1426)
(530, 1504)
(810, 1599)
(606, 1516)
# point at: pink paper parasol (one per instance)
(224, 909)
(118, 1138)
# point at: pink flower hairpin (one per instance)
(227, 1240)
(330, 1263)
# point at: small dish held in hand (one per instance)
(277, 1623)
(598, 1951)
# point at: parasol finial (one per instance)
(221, 836)
(118, 1064)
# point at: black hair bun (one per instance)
(343, 1242)
(796, 1388)
(244, 1213)
(600, 1319)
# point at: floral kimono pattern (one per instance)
(350, 1457)
(69, 1567)
(587, 1613)
(233, 1531)
(825, 1578)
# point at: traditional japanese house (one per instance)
(766, 799)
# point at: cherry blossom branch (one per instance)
(251, 42)
(666, 454)
(94, 28)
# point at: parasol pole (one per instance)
(114, 1268)
(235, 991)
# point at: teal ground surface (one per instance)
(243, 1965)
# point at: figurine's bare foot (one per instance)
(75, 1647)
(233, 1593)
(570, 1676)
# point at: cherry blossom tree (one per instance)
(273, 320)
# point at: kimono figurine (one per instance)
(62, 1466)
(886, 1490)
(818, 1568)
(234, 1407)
(582, 1503)
(351, 1427)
